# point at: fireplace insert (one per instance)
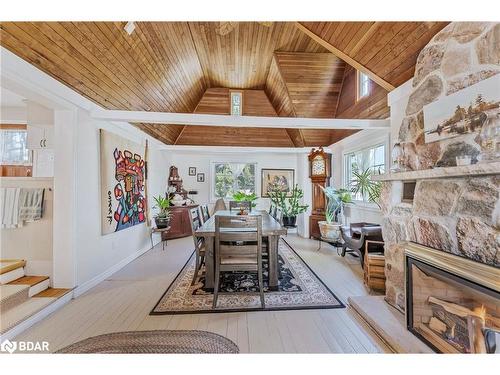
(448, 311)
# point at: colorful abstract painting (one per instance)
(123, 173)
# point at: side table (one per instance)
(335, 243)
(159, 230)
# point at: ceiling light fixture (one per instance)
(129, 27)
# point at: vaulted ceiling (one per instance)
(171, 66)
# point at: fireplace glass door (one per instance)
(449, 313)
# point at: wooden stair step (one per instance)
(28, 280)
(53, 293)
(7, 265)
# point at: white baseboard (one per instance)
(79, 290)
(42, 314)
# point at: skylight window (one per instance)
(236, 103)
(363, 85)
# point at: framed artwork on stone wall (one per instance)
(463, 112)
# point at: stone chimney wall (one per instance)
(460, 215)
(460, 55)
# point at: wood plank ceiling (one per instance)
(388, 49)
(169, 66)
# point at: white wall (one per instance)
(358, 211)
(202, 160)
(32, 241)
(95, 253)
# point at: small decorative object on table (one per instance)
(489, 138)
(178, 200)
(397, 159)
(246, 196)
(463, 160)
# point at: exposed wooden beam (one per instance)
(289, 136)
(179, 136)
(167, 118)
(341, 55)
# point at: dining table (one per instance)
(271, 229)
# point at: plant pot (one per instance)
(329, 230)
(289, 221)
(162, 222)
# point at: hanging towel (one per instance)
(9, 207)
(30, 204)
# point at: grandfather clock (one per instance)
(319, 172)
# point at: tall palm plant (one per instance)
(363, 184)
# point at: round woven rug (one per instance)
(192, 342)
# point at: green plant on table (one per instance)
(246, 196)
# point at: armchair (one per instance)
(356, 235)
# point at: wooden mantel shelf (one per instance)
(480, 169)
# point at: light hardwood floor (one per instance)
(123, 303)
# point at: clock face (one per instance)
(318, 166)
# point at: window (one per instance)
(371, 157)
(231, 177)
(236, 103)
(363, 85)
(13, 147)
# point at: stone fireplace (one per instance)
(453, 304)
(454, 210)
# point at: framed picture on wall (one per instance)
(192, 171)
(200, 177)
(277, 179)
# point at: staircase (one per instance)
(22, 296)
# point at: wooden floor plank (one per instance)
(123, 302)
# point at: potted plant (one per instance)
(290, 206)
(336, 199)
(363, 184)
(246, 196)
(162, 218)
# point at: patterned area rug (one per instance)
(299, 288)
(182, 342)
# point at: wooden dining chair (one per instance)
(278, 215)
(205, 214)
(237, 206)
(272, 209)
(238, 247)
(199, 243)
(220, 205)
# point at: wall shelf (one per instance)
(480, 169)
